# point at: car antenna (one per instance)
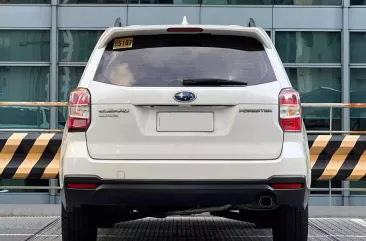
(118, 22)
(184, 22)
(251, 22)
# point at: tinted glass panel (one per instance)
(318, 86)
(358, 47)
(238, 2)
(156, 61)
(76, 46)
(209, 2)
(25, 1)
(358, 184)
(308, 2)
(358, 95)
(325, 184)
(68, 79)
(309, 47)
(13, 182)
(24, 84)
(24, 45)
(358, 2)
(164, 1)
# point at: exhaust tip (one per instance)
(265, 201)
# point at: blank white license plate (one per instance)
(185, 122)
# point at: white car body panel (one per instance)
(243, 146)
(294, 161)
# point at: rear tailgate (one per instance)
(135, 114)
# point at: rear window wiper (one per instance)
(212, 82)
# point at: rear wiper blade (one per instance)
(211, 82)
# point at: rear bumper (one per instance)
(181, 193)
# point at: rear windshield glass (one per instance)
(166, 60)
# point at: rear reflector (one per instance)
(185, 30)
(82, 186)
(287, 186)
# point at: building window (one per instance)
(24, 84)
(25, 1)
(25, 45)
(326, 184)
(317, 85)
(302, 53)
(30, 182)
(358, 184)
(93, 1)
(358, 2)
(237, 2)
(308, 2)
(77, 45)
(358, 47)
(309, 47)
(358, 95)
(358, 79)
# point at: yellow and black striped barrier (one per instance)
(29, 155)
(36, 156)
(338, 157)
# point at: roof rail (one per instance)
(118, 22)
(251, 22)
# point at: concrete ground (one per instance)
(180, 229)
(54, 210)
(42, 223)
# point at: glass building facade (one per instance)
(45, 44)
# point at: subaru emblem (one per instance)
(184, 96)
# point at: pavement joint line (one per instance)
(45, 227)
(359, 221)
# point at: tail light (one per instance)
(185, 30)
(79, 110)
(290, 110)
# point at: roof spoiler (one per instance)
(114, 32)
(118, 22)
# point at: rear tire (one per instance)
(78, 225)
(291, 224)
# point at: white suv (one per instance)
(185, 119)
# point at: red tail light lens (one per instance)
(287, 186)
(79, 110)
(290, 110)
(185, 30)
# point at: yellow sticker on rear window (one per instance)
(122, 43)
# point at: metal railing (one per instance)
(33, 104)
(331, 107)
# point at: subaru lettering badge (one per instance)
(184, 96)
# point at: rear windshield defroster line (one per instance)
(166, 60)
